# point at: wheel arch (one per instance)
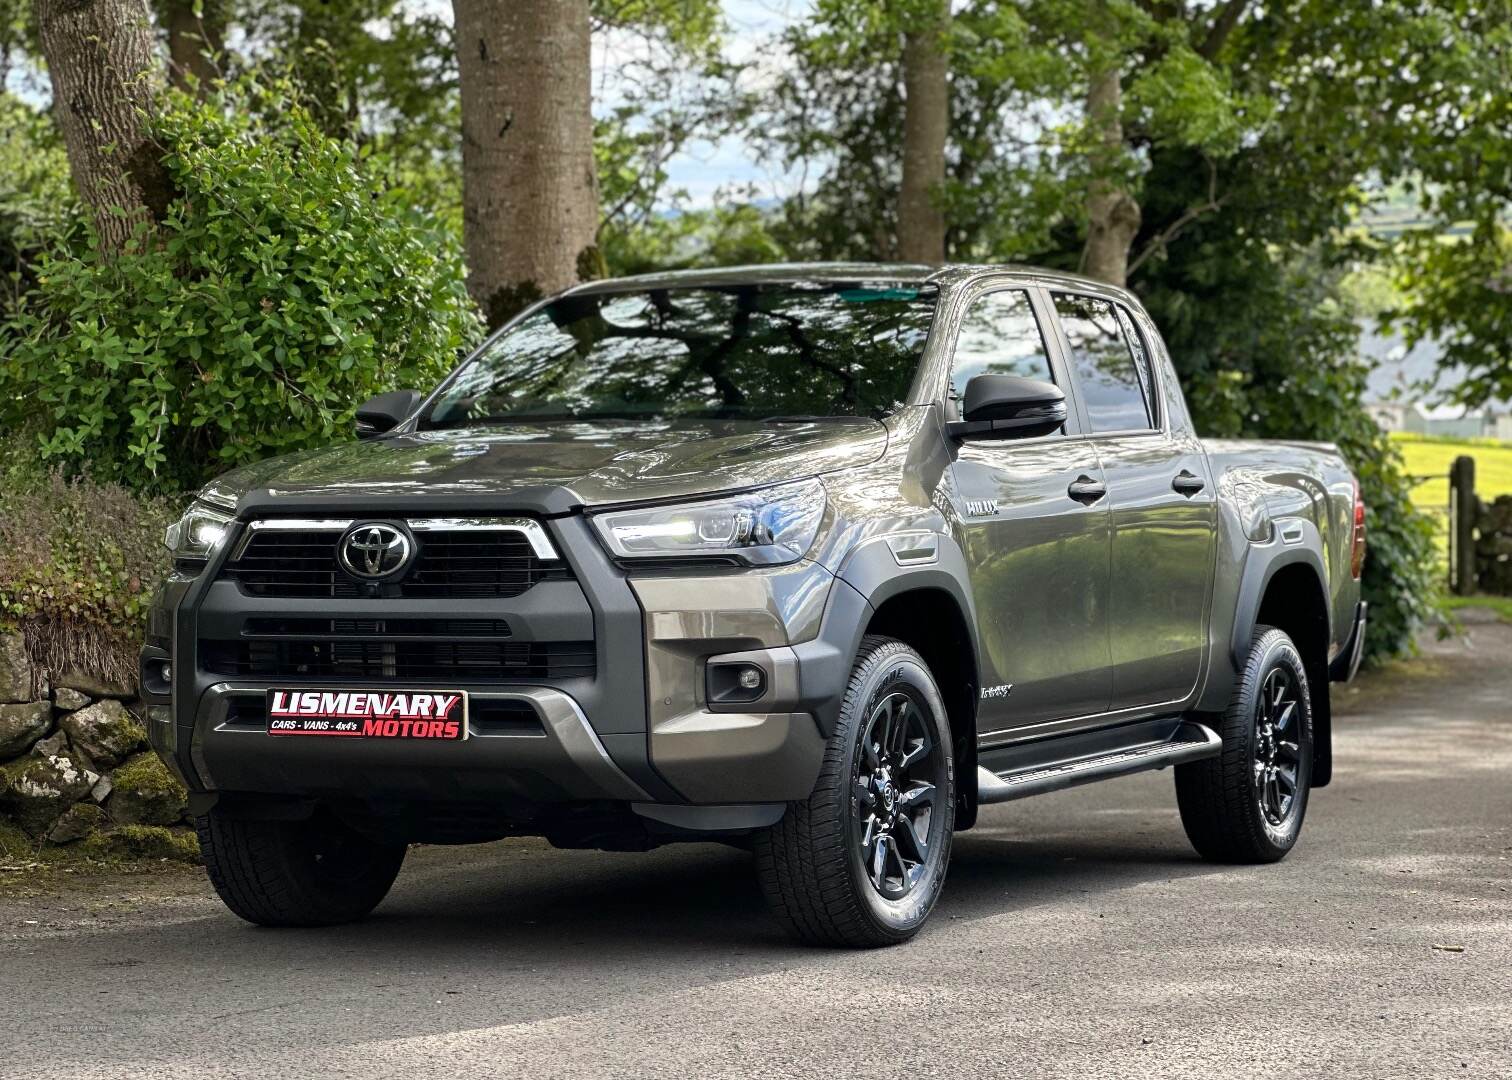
(1287, 591)
(928, 607)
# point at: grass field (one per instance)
(1433, 456)
(1428, 459)
(1501, 605)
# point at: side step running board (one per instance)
(1190, 742)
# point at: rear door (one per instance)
(1037, 552)
(1160, 498)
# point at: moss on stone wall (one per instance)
(143, 842)
(146, 793)
(14, 844)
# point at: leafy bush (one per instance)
(284, 287)
(79, 561)
(36, 204)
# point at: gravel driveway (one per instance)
(1078, 937)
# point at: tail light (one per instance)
(1357, 550)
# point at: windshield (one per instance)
(749, 351)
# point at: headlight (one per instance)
(196, 535)
(763, 528)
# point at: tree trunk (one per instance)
(926, 123)
(191, 38)
(101, 59)
(1113, 215)
(529, 189)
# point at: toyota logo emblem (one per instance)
(374, 551)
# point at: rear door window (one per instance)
(999, 336)
(1111, 365)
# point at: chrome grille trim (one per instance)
(533, 531)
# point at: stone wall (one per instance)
(75, 767)
(1493, 545)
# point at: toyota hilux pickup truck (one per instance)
(816, 560)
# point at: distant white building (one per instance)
(1448, 421)
(1405, 385)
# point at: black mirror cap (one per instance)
(385, 412)
(1010, 406)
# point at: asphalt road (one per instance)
(1078, 937)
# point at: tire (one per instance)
(1235, 806)
(818, 866)
(317, 872)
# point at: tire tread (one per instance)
(1218, 810)
(802, 861)
(250, 866)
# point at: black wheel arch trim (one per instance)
(869, 577)
(1263, 563)
(1260, 568)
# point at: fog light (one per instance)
(735, 683)
(167, 673)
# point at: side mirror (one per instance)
(385, 412)
(1009, 407)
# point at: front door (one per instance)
(1161, 502)
(1035, 532)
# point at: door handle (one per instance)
(1187, 483)
(1086, 490)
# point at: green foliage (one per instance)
(1184, 100)
(671, 86)
(693, 27)
(1459, 293)
(36, 204)
(287, 288)
(1500, 606)
(78, 563)
(1416, 97)
(727, 234)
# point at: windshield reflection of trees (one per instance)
(729, 352)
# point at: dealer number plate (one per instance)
(425, 715)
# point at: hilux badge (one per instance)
(981, 507)
(374, 551)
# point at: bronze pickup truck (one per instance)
(814, 559)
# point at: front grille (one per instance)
(388, 628)
(463, 562)
(388, 659)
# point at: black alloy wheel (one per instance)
(899, 773)
(1278, 756)
(862, 861)
(1247, 804)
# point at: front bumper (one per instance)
(639, 730)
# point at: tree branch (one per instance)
(1222, 27)
(1161, 240)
